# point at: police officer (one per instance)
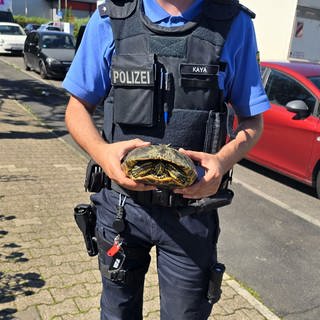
(164, 70)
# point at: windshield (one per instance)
(57, 41)
(315, 80)
(11, 30)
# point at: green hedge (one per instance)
(23, 21)
(77, 23)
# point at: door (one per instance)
(27, 45)
(34, 52)
(287, 141)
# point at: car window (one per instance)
(262, 70)
(282, 89)
(11, 30)
(6, 16)
(315, 80)
(57, 41)
(33, 37)
(36, 39)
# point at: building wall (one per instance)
(47, 8)
(274, 24)
(38, 8)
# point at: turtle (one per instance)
(160, 165)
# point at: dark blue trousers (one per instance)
(186, 250)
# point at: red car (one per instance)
(290, 143)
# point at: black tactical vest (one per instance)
(165, 80)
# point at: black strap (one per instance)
(197, 83)
(121, 276)
(162, 197)
(166, 198)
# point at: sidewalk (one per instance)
(45, 272)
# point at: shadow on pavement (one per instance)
(28, 90)
(30, 135)
(46, 102)
(14, 284)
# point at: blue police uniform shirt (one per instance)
(89, 77)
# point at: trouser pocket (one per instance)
(126, 267)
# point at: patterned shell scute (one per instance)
(160, 165)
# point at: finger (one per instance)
(132, 144)
(135, 143)
(132, 185)
(194, 189)
(195, 155)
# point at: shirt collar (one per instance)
(156, 13)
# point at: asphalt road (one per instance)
(270, 234)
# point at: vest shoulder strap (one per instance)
(247, 11)
(221, 9)
(226, 9)
(117, 9)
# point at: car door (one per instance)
(26, 50)
(287, 141)
(34, 52)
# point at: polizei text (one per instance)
(131, 77)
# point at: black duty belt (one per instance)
(166, 198)
(162, 197)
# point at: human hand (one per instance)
(114, 153)
(209, 184)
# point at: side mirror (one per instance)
(298, 107)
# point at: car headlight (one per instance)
(52, 61)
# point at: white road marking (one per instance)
(279, 203)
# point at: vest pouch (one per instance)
(134, 82)
(198, 85)
(198, 75)
(216, 132)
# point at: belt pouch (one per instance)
(133, 78)
(95, 178)
(214, 289)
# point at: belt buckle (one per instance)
(161, 197)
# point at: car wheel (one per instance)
(318, 184)
(43, 71)
(26, 67)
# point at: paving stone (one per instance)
(30, 314)
(86, 303)
(60, 294)
(47, 312)
(40, 297)
(90, 315)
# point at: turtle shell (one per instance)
(159, 165)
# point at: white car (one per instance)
(12, 37)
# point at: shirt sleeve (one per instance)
(241, 80)
(88, 77)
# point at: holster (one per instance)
(220, 199)
(85, 217)
(214, 288)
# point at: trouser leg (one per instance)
(186, 253)
(121, 300)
